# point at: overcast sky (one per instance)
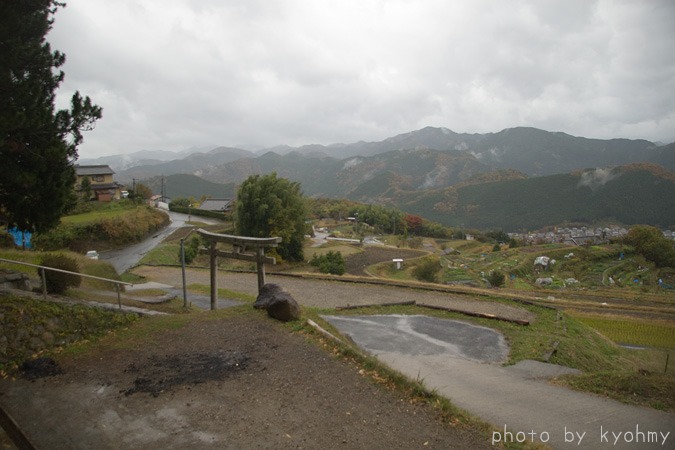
(173, 74)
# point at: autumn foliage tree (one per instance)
(414, 223)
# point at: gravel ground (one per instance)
(235, 383)
(332, 294)
(241, 382)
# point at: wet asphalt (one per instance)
(463, 362)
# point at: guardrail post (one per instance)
(44, 282)
(119, 298)
(665, 370)
(214, 273)
(182, 265)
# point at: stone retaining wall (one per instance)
(15, 280)
(29, 326)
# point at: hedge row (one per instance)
(199, 212)
(116, 231)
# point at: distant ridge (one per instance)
(450, 177)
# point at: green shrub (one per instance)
(57, 238)
(427, 270)
(190, 249)
(331, 262)
(59, 282)
(496, 278)
(6, 240)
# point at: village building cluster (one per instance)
(577, 236)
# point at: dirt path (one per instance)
(331, 294)
(241, 382)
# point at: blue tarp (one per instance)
(19, 236)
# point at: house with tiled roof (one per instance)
(222, 205)
(103, 187)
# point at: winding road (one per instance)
(126, 258)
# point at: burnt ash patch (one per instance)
(33, 369)
(160, 374)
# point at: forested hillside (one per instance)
(639, 193)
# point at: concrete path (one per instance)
(455, 363)
(460, 361)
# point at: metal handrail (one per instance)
(44, 282)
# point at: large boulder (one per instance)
(279, 304)
(265, 295)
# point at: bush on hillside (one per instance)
(57, 238)
(331, 262)
(6, 240)
(190, 249)
(652, 244)
(496, 278)
(427, 270)
(127, 228)
(59, 282)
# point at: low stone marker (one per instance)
(279, 304)
(543, 281)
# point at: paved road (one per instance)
(124, 259)
(461, 362)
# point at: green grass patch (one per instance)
(658, 334)
(143, 331)
(456, 275)
(26, 256)
(164, 254)
(93, 216)
(388, 270)
(654, 390)
(222, 293)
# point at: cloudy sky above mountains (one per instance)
(173, 74)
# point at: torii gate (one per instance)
(239, 244)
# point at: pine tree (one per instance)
(85, 189)
(37, 144)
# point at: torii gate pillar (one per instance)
(239, 244)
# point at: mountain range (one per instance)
(449, 177)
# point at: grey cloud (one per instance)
(184, 72)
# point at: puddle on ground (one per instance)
(423, 335)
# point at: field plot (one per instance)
(633, 332)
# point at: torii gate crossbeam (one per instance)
(239, 245)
